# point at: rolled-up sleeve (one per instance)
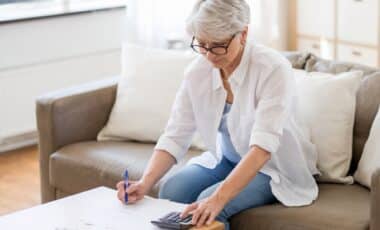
(180, 127)
(273, 107)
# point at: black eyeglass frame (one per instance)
(193, 46)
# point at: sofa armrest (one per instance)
(375, 201)
(71, 115)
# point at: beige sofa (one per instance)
(72, 161)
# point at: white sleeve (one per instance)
(272, 111)
(181, 127)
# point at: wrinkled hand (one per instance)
(136, 191)
(204, 211)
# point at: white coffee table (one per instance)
(94, 209)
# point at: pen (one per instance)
(126, 185)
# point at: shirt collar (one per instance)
(238, 74)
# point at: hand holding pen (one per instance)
(126, 184)
(128, 191)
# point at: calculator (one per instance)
(173, 221)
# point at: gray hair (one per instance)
(218, 19)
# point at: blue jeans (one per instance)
(194, 182)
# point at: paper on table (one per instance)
(97, 209)
(151, 208)
(140, 214)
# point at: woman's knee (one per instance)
(186, 185)
(180, 188)
(207, 192)
(173, 189)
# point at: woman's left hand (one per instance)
(204, 211)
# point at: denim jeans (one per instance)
(194, 182)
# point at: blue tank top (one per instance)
(226, 146)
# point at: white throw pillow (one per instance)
(326, 106)
(370, 159)
(145, 94)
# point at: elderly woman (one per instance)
(239, 96)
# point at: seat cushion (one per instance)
(82, 166)
(85, 165)
(338, 207)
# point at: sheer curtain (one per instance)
(154, 23)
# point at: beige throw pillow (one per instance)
(370, 159)
(145, 94)
(326, 104)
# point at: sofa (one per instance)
(72, 160)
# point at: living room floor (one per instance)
(19, 180)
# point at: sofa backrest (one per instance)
(368, 97)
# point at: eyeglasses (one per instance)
(217, 50)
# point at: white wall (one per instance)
(39, 56)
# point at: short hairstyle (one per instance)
(218, 19)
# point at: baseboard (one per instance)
(18, 141)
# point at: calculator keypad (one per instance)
(173, 221)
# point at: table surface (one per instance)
(94, 209)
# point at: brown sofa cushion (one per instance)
(338, 207)
(82, 166)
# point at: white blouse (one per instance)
(262, 114)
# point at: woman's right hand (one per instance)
(136, 191)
